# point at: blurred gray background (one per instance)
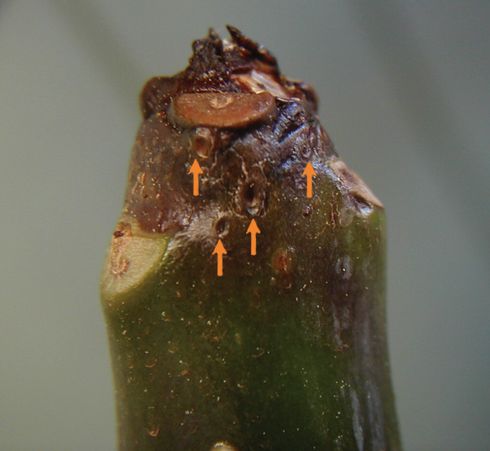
(404, 90)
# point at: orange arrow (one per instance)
(219, 250)
(309, 173)
(195, 170)
(253, 229)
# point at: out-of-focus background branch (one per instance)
(404, 94)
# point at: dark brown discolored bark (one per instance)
(288, 349)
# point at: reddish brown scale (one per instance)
(282, 263)
(203, 141)
(248, 126)
(222, 110)
(286, 350)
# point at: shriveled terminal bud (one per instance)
(244, 286)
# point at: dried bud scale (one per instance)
(285, 349)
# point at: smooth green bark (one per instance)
(286, 351)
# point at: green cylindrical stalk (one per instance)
(287, 349)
